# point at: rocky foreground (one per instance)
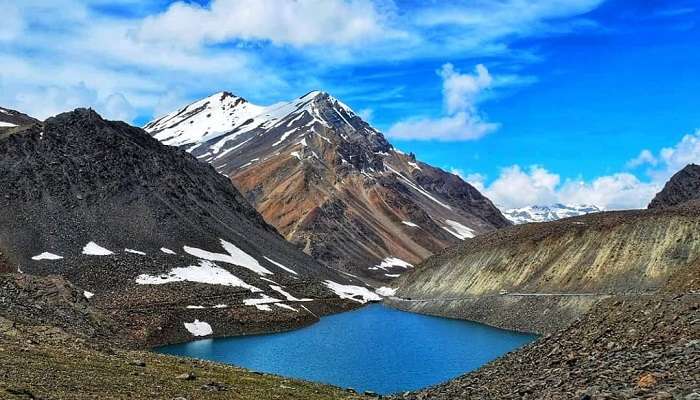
(642, 347)
(55, 345)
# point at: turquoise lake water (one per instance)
(374, 348)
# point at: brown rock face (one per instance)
(683, 186)
(332, 184)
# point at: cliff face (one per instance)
(682, 187)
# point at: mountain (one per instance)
(330, 182)
(547, 213)
(586, 258)
(10, 119)
(683, 186)
(162, 243)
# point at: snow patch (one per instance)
(386, 291)
(280, 265)
(264, 299)
(88, 295)
(167, 251)
(414, 165)
(391, 262)
(286, 307)
(356, 293)
(411, 224)
(93, 249)
(46, 256)
(141, 253)
(458, 230)
(417, 188)
(288, 296)
(284, 136)
(235, 256)
(205, 272)
(198, 328)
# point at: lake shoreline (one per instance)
(358, 349)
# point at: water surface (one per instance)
(374, 348)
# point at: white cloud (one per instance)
(645, 157)
(282, 22)
(462, 120)
(669, 160)
(516, 187)
(273, 49)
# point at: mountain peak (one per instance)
(683, 186)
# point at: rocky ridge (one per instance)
(11, 119)
(330, 182)
(512, 277)
(683, 186)
(159, 242)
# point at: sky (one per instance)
(531, 101)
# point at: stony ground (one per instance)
(55, 345)
(40, 369)
(644, 347)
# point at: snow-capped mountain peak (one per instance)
(332, 183)
(223, 122)
(203, 120)
(539, 213)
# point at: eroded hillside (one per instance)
(539, 277)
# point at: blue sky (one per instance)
(577, 101)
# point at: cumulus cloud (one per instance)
(517, 187)
(282, 22)
(462, 120)
(645, 157)
(132, 55)
(672, 159)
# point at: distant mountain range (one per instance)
(547, 213)
(330, 182)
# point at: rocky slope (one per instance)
(554, 212)
(617, 295)
(330, 182)
(52, 338)
(540, 277)
(161, 243)
(683, 186)
(626, 347)
(10, 119)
